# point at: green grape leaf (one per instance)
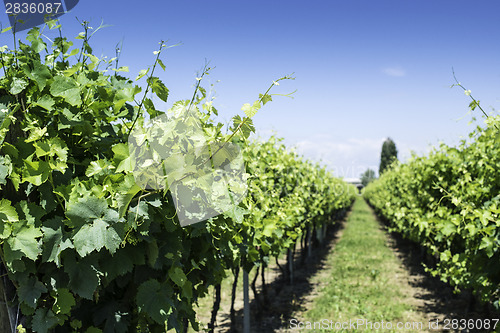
(245, 125)
(30, 291)
(47, 199)
(141, 74)
(98, 167)
(13, 258)
(44, 320)
(25, 240)
(265, 98)
(178, 276)
(269, 227)
(150, 107)
(42, 148)
(5, 168)
(5, 117)
(36, 134)
(64, 301)
(488, 244)
(54, 242)
(83, 274)
(152, 252)
(95, 236)
(17, 85)
(67, 88)
(448, 228)
(121, 69)
(121, 152)
(36, 172)
(152, 300)
(120, 263)
(158, 88)
(251, 110)
(46, 102)
(33, 213)
(162, 65)
(86, 209)
(122, 158)
(7, 211)
(123, 199)
(40, 74)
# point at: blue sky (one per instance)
(365, 69)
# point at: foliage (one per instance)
(85, 247)
(367, 177)
(449, 201)
(388, 155)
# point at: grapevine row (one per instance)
(449, 202)
(83, 247)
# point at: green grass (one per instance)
(362, 283)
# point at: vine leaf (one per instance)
(158, 88)
(95, 236)
(67, 88)
(36, 172)
(85, 209)
(63, 302)
(17, 85)
(54, 242)
(83, 274)
(251, 110)
(46, 102)
(30, 292)
(25, 240)
(43, 320)
(178, 276)
(40, 74)
(152, 300)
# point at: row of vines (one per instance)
(84, 247)
(449, 202)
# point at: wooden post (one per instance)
(319, 234)
(246, 304)
(8, 315)
(309, 242)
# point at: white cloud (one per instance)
(395, 71)
(345, 158)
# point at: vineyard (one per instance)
(117, 216)
(448, 202)
(90, 241)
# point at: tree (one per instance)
(367, 176)
(388, 155)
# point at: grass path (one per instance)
(364, 279)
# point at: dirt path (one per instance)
(427, 297)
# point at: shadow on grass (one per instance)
(437, 298)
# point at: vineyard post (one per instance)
(290, 264)
(246, 303)
(233, 297)
(309, 241)
(319, 234)
(323, 230)
(7, 321)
